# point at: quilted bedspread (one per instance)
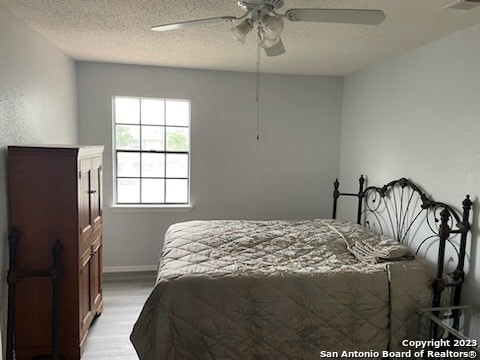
(232, 289)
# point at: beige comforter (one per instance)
(279, 290)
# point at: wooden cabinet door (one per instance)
(85, 300)
(84, 197)
(96, 276)
(89, 199)
(95, 190)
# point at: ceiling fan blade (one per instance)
(346, 16)
(275, 50)
(190, 23)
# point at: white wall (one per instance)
(418, 115)
(37, 104)
(286, 174)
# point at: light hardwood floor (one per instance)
(124, 296)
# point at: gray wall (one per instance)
(286, 174)
(418, 115)
(37, 104)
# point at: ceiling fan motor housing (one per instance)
(253, 4)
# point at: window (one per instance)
(151, 150)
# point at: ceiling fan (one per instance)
(262, 16)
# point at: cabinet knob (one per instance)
(92, 191)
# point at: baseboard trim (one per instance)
(128, 269)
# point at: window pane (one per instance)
(153, 112)
(177, 139)
(128, 164)
(127, 110)
(177, 191)
(127, 137)
(153, 190)
(153, 165)
(178, 112)
(152, 149)
(177, 166)
(153, 138)
(128, 190)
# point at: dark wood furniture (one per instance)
(55, 193)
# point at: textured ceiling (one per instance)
(119, 31)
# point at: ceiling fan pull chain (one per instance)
(257, 97)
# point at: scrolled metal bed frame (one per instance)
(403, 211)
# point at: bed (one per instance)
(237, 289)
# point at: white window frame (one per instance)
(115, 151)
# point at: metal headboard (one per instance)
(401, 210)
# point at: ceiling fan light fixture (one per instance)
(268, 43)
(240, 31)
(272, 26)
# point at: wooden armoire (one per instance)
(55, 193)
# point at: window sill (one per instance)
(149, 208)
